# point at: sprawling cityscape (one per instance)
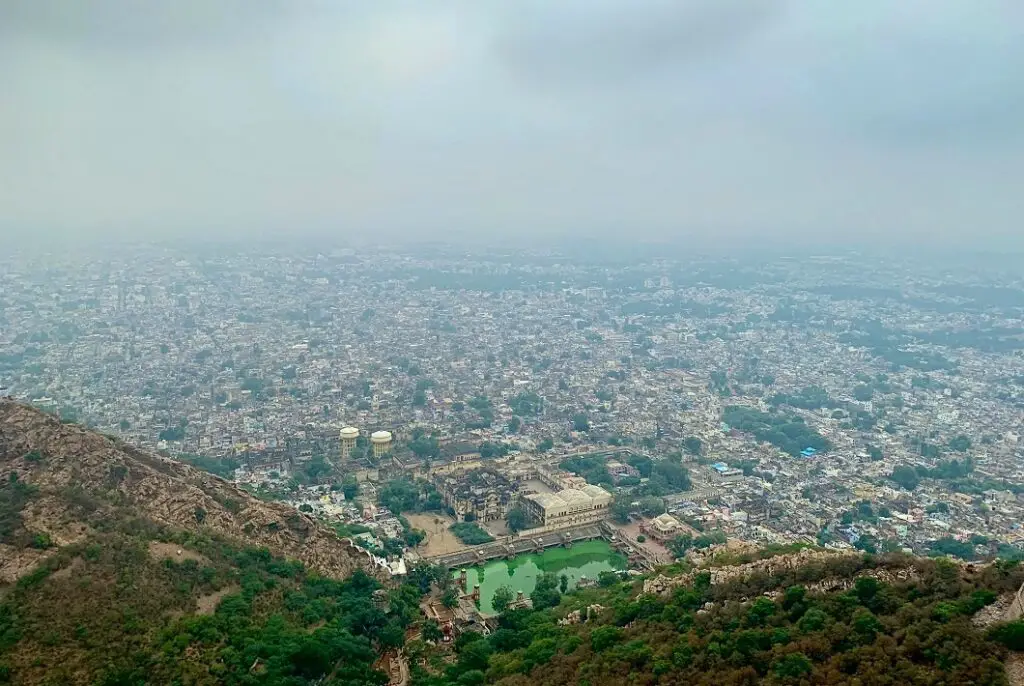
(461, 407)
(477, 343)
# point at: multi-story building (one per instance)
(484, 493)
(569, 506)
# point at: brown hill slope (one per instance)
(60, 479)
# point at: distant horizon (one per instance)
(569, 246)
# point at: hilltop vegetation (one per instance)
(121, 567)
(122, 607)
(759, 629)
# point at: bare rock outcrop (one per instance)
(663, 585)
(71, 466)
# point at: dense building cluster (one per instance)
(844, 401)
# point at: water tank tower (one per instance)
(381, 441)
(348, 441)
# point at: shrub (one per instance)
(1010, 635)
(604, 637)
(470, 534)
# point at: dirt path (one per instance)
(439, 540)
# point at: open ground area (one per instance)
(439, 540)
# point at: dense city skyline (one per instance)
(905, 375)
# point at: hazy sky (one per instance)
(866, 120)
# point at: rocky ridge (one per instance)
(72, 469)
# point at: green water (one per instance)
(588, 559)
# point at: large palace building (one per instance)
(568, 507)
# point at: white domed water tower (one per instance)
(349, 435)
(381, 441)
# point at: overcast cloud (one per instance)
(710, 120)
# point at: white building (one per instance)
(570, 506)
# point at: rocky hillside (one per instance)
(811, 618)
(60, 482)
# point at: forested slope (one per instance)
(856, 620)
(122, 567)
(137, 604)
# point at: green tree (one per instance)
(1010, 634)
(863, 393)
(906, 477)
(672, 475)
(475, 655)
(813, 620)
(652, 506)
(450, 598)
(470, 533)
(792, 666)
(605, 637)
(526, 404)
(866, 625)
(693, 445)
(489, 449)
(425, 447)
(680, 545)
(563, 584)
(580, 422)
(517, 520)
(503, 597)
(960, 444)
(545, 592)
(621, 507)
(474, 677)
(431, 631)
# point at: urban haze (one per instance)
(511, 342)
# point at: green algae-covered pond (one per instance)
(588, 559)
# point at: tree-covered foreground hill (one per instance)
(125, 607)
(924, 629)
(120, 568)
